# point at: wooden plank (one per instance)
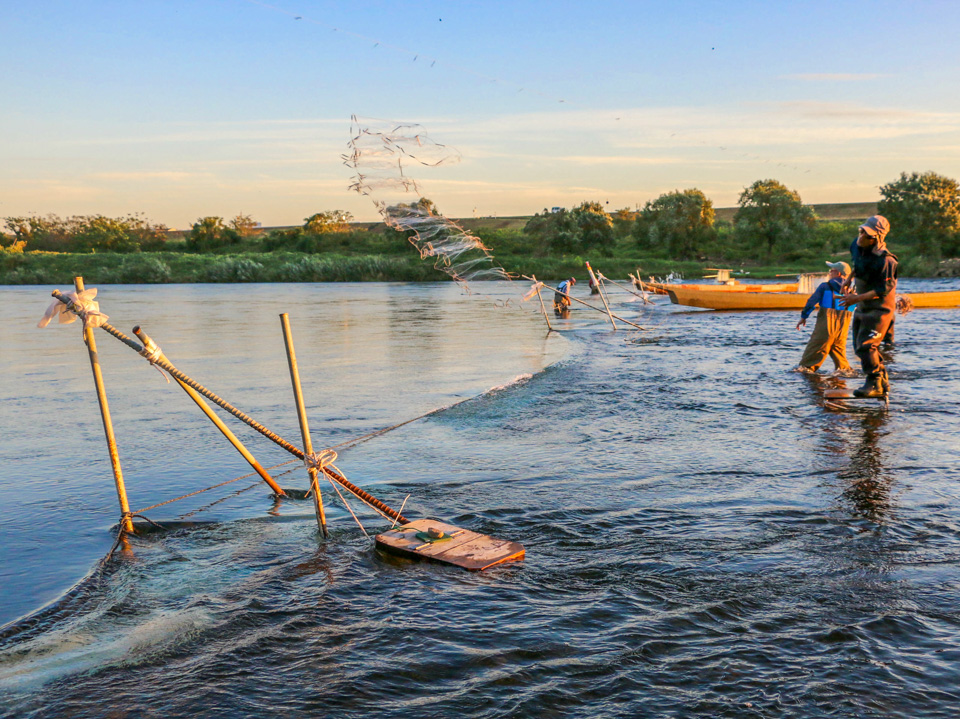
(836, 397)
(459, 547)
(845, 394)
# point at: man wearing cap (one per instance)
(875, 281)
(561, 302)
(829, 335)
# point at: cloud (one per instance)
(150, 175)
(833, 76)
(819, 109)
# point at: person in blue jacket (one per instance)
(829, 335)
(561, 303)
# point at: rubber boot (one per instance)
(873, 387)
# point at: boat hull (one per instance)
(712, 299)
(663, 289)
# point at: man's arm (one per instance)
(852, 298)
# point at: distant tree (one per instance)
(926, 209)
(426, 205)
(108, 234)
(623, 220)
(772, 215)
(594, 226)
(678, 223)
(322, 223)
(554, 231)
(88, 233)
(245, 225)
(24, 229)
(41, 233)
(10, 246)
(209, 233)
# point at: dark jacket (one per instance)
(826, 295)
(877, 272)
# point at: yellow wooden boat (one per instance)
(714, 298)
(724, 283)
(661, 288)
(950, 298)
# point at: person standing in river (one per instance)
(873, 289)
(829, 335)
(561, 299)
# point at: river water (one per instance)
(704, 536)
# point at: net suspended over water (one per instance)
(382, 153)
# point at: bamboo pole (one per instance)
(622, 287)
(302, 416)
(602, 298)
(91, 343)
(165, 364)
(150, 346)
(542, 306)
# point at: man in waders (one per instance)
(561, 303)
(829, 335)
(875, 294)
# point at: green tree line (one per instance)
(771, 226)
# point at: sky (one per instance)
(179, 110)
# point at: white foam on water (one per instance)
(515, 381)
(94, 643)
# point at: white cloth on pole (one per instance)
(84, 302)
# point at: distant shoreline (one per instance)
(826, 212)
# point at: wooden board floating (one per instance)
(836, 397)
(846, 394)
(442, 542)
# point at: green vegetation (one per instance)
(677, 223)
(586, 227)
(91, 233)
(926, 209)
(770, 233)
(59, 268)
(772, 216)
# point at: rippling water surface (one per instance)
(704, 537)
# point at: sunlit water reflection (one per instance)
(704, 537)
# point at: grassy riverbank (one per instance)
(371, 253)
(59, 268)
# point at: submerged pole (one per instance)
(150, 346)
(91, 343)
(542, 306)
(302, 416)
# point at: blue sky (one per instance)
(183, 109)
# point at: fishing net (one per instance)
(381, 154)
(904, 304)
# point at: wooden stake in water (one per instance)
(302, 416)
(600, 292)
(164, 364)
(542, 306)
(150, 346)
(91, 342)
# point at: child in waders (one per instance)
(874, 280)
(829, 335)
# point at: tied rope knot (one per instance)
(152, 352)
(82, 305)
(319, 460)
